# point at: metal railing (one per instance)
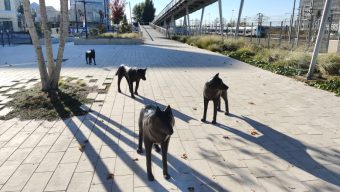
(167, 8)
(162, 30)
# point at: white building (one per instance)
(8, 15)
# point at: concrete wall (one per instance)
(82, 41)
(334, 46)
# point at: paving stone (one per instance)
(80, 182)
(37, 182)
(61, 177)
(5, 111)
(92, 95)
(20, 177)
(100, 97)
(37, 155)
(50, 162)
(6, 170)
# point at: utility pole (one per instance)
(239, 17)
(324, 18)
(75, 11)
(299, 25)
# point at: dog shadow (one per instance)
(268, 135)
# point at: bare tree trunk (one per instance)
(35, 39)
(47, 37)
(63, 35)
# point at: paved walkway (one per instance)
(281, 136)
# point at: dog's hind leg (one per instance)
(140, 137)
(165, 146)
(219, 104)
(225, 98)
(148, 147)
(157, 148)
(120, 76)
(215, 111)
(206, 101)
(86, 57)
(94, 60)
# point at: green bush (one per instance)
(332, 85)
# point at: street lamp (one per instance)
(231, 19)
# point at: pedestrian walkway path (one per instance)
(281, 135)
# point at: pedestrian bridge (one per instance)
(179, 8)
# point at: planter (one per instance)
(103, 41)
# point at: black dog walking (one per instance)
(132, 74)
(214, 89)
(89, 55)
(155, 127)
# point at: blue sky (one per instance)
(274, 10)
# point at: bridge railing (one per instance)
(167, 8)
(162, 30)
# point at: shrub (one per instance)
(243, 54)
(329, 64)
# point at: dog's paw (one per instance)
(219, 109)
(132, 96)
(203, 120)
(151, 177)
(139, 151)
(227, 113)
(136, 93)
(119, 91)
(213, 122)
(166, 176)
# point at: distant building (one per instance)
(8, 15)
(53, 16)
(312, 11)
(94, 11)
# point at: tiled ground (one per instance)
(295, 145)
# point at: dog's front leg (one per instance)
(140, 139)
(137, 85)
(206, 101)
(148, 147)
(225, 98)
(165, 146)
(131, 89)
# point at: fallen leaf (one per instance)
(184, 156)
(110, 176)
(81, 147)
(251, 103)
(194, 108)
(254, 133)
(191, 189)
(136, 159)
(225, 137)
(86, 141)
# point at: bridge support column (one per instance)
(173, 24)
(239, 18)
(187, 14)
(201, 21)
(221, 20)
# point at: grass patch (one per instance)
(64, 103)
(277, 60)
(110, 35)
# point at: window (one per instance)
(7, 5)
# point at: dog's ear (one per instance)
(145, 68)
(158, 111)
(168, 110)
(216, 76)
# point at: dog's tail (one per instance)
(121, 70)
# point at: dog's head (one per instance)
(165, 120)
(92, 51)
(217, 83)
(141, 73)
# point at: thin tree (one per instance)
(49, 75)
(138, 11)
(117, 10)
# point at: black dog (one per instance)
(155, 127)
(214, 89)
(132, 74)
(89, 55)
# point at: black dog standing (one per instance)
(155, 127)
(132, 74)
(214, 89)
(89, 55)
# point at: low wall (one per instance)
(118, 41)
(334, 46)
